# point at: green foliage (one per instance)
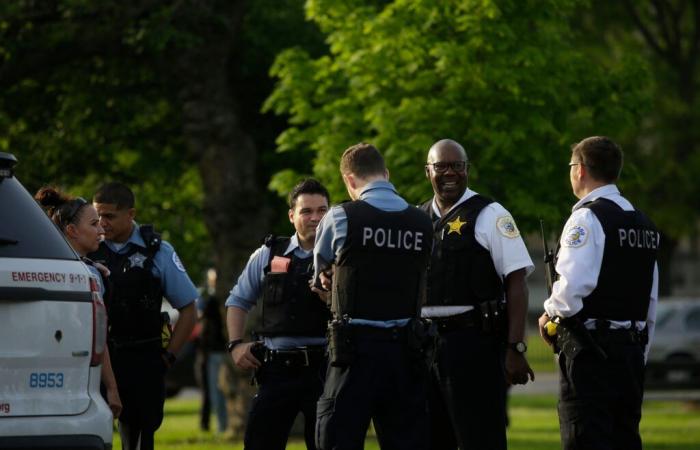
(91, 93)
(533, 426)
(661, 157)
(504, 78)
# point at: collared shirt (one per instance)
(167, 267)
(246, 292)
(508, 253)
(579, 267)
(331, 233)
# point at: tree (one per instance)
(164, 95)
(661, 172)
(502, 77)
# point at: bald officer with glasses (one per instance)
(477, 297)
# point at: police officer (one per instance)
(607, 284)
(476, 282)
(144, 269)
(292, 322)
(380, 247)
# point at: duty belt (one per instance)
(618, 336)
(135, 344)
(378, 333)
(296, 357)
(461, 321)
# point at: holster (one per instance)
(341, 348)
(493, 316)
(259, 351)
(421, 341)
(166, 329)
(573, 337)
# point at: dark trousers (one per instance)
(600, 403)
(283, 392)
(385, 383)
(140, 376)
(467, 396)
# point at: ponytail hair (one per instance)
(61, 208)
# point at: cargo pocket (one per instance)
(324, 423)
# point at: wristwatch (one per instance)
(519, 346)
(232, 344)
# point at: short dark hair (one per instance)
(601, 156)
(307, 186)
(115, 193)
(362, 160)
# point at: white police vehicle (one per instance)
(52, 332)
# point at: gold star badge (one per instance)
(456, 226)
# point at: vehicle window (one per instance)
(692, 320)
(663, 316)
(25, 230)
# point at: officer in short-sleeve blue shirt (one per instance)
(290, 360)
(143, 270)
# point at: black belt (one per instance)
(135, 344)
(461, 321)
(296, 357)
(378, 333)
(618, 336)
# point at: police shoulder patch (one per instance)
(506, 226)
(178, 263)
(575, 236)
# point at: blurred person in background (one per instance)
(211, 352)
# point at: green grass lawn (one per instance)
(665, 426)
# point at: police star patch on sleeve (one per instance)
(178, 263)
(575, 236)
(506, 226)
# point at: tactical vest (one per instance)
(627, 269)
(380, 271)
(461, 270)
(288, 307)
(134, 309)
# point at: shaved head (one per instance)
(445, 144)
(447, 171)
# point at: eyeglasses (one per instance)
(441, 167)
(71, 209)
(571, 164)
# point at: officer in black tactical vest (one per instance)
(289, 361)
(604, 303)
(477, 298)
(144, 269)
(380, 247)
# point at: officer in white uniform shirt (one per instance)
(476, 281)
(607, 289)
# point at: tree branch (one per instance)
(695, 43)
(648, 36)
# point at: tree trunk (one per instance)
(234, 209)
